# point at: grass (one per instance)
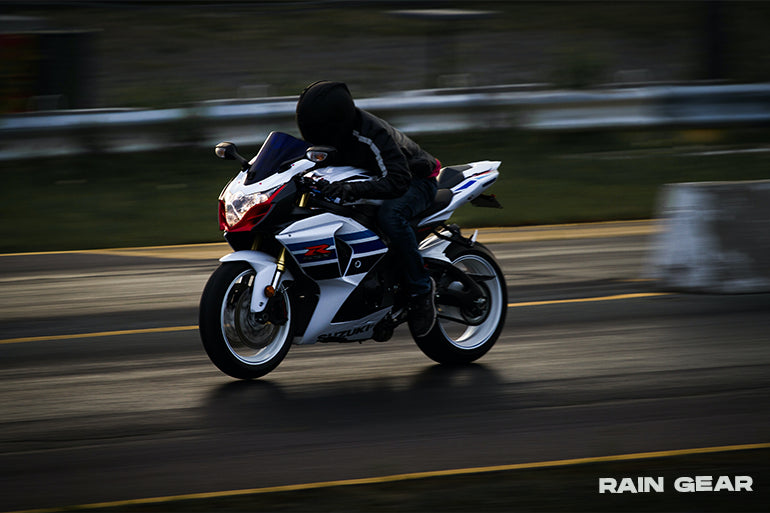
(169, 197)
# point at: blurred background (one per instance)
(109, 111)
(82, 54)
(111, 56)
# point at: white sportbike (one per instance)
(306, 269)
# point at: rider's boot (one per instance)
(422, 312)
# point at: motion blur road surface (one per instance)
(98, 403)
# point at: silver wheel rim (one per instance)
(468, 337)
(250, 342)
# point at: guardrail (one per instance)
(446, 110)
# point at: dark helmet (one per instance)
(326, 113)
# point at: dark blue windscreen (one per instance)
(277, 149)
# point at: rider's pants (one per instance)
(394, 219)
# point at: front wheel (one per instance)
(465, 331)
(240, 343)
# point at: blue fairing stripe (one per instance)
(368, 247)
(368, 242)
(347, 237)
(465, 186)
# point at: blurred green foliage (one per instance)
(164, 54)
(170, 197)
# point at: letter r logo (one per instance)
(321, 249)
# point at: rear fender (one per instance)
(435, 248)
(265, 267)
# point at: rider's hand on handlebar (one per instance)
(340, 190)
(311, 185)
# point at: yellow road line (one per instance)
(141, 250)
(98, 334)
(407, 477)
(567, 231)
(588, 299)
(190, 328)
(487, 235)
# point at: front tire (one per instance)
(461, 336)
(238, 343)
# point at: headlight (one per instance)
(238, 203)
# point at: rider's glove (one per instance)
(340, 190)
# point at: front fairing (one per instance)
(240, 184)
(265, 188)
(239, 198)
(280, 158)
(277, 152)
(250, 196)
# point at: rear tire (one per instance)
(235, 341)
(454, 342)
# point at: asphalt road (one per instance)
(135, 412)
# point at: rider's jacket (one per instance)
(327, 115)
(392, 156)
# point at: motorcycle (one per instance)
(308, 269)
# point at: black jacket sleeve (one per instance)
(395, 158)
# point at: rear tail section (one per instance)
(458, 185)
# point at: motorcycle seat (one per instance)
(447, 178)
(450, 176)
(442, 200)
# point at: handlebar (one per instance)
(314, 187)
(307, 184)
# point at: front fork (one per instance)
(265, 290)
(268, 303)
(280, 264)
(270, 276)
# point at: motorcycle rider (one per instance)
(406, 179)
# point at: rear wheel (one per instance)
(239, 342)
(466, 330)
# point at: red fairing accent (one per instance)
(250, 219)
(222, 217)
(436, 169)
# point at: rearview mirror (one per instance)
(321, 154)
(228, 151)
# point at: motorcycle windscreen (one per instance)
(278, 150)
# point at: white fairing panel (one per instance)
(316, 245)
(237, 185)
